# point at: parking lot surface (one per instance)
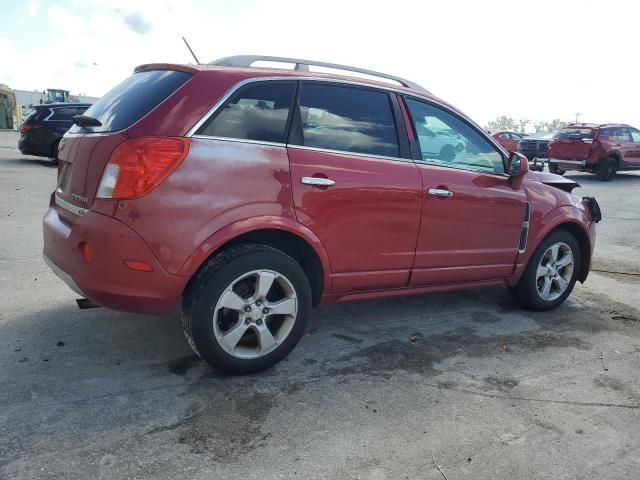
(376, 390)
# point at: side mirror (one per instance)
(517, 164)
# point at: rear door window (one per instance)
(349, 119)
(635, 135)
(128, 102)
(258, 112)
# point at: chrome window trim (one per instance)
(458, 166)
(239, 140)
(69, 207)
(235, 87)
(51, 112)
(344, 152)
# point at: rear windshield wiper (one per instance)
(86, 121)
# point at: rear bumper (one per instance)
(29, 146)
(107, 281)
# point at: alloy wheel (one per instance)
(255, 314)
(555, 271)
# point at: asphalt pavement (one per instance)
(376, 390)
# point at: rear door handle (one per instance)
(319, 181)
(438, 192)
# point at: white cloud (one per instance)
(32, 8)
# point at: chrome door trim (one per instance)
(439, 192)
(320, 181)
(343, 152)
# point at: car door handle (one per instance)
(438, 192)
(319, 181)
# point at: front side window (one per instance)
(349, 119)
(635, 135)
(446, 140)
(258, 112)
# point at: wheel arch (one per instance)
(283, 234)
(563, 218)
(582, 238)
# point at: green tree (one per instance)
(503, 123)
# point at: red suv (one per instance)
(250, 195)
(509, 140)
(600, 149)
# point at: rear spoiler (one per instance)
(166, 66)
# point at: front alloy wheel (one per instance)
(551, 272)
(554, 272)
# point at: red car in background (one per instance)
(509, 140)
(248, 196)
(600, 149)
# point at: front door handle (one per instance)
(438, 192)
(319, 181)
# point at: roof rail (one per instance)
(303, 65)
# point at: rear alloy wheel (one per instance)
(551, 273)
(607, 169)
(247, 308)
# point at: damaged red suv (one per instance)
(600, 149)
(249, 195)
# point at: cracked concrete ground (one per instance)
(372, 391)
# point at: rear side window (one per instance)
(37, 114)
(258, 112)
(128, 102)
(348, 119)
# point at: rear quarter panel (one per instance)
(219, 183)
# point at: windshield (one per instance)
(128, 102)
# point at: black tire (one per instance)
(54, 153)
(606, 169)
(206, 288)
(553, 168)
(526, 291)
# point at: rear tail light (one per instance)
(139, 165)
(28, 128)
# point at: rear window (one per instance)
(575, 133)
(128, 102)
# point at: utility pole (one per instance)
(578, 115)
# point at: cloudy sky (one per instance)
(537, 59)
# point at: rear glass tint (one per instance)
(575, 133)
(258, 112)
(128, 102)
